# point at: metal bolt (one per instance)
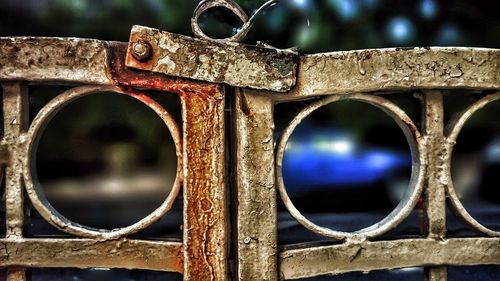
(141, 50)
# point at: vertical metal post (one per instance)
(15, 113)
(435, 195)
(256, 206)
(206, 235)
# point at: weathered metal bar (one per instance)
(437, 273)
(86, 253)
(53, 59)
(205, 228)
(256, 192)
(16, 274)
(212, 61)
(435, 187)
(396, 69)
(367, 256)
(15, 110)
(86, 61)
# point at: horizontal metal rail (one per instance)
(368, 256)
(81, 253)
(93, 62)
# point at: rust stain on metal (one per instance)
(212, 61)
(206, 235)
(123, 76)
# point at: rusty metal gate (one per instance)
(240, 243)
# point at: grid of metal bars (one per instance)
(204, 252)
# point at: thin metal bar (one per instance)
(367, 256)
(15, 114)
(256, 207)
(15, 98)
(120, 253)
(436, 181)
(206, 235)
(435, 191)
(16, 274)
(437, 273)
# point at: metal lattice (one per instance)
(263, 78)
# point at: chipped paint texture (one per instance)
(231, 63)
(121, 253)
(256, 212)
(367, 256)
(386, 69)
(63, 59)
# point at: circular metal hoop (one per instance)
(412, 194)
(451, 139)
(36, 194)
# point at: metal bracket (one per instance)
(231, 63)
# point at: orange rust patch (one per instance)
(128, 77)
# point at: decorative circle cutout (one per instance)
(451, 139)
(36, 193)
(409, 200)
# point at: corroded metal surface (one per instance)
(400, 68)
(53, 59)
(206, 235)
(412, 194)
(84, 61)
(121, 253)
(15, 119)
(231, 63)
(435, 197)
(256, 191)
(437, 273)
(367, 256)
(16, 274)
(434, 189)
(15, 110)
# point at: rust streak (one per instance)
(123, 76)
(205, 220)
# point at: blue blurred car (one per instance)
(318, 159)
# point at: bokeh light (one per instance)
(400, 30)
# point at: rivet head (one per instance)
(141, 50)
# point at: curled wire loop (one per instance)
(231, 5)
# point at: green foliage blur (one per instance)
(310, 25)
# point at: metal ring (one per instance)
(233, 7)
(412, 194)
(456, 127)
(36, 194)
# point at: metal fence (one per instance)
(240, 242)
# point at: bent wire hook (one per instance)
(233, 7)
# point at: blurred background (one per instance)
(346, 166)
